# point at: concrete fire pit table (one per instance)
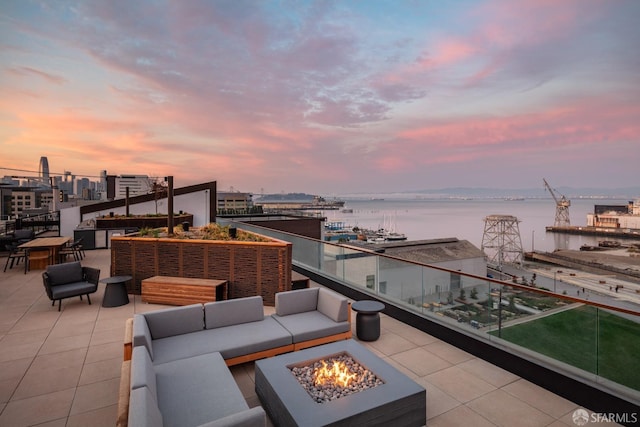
(398, 402)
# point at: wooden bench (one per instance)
(182, 290)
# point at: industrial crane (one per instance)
(562, 207)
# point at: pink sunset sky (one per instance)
(326, 97)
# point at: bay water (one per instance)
(422, 218)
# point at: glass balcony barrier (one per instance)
(578, 337)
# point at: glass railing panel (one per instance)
(617, 347)
(558, 328)
(400, 282)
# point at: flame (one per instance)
(337, 373)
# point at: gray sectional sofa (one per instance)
(178, 371)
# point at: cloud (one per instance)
(28, 71)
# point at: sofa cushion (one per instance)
(333, 305)
(299, 301)
(232, 312)
(311, 325)
(68, 272)
(143, 409)
(141, 334)
(142, 373)
(230, 341)
(197, 390)
(175, 321)
(250, 418)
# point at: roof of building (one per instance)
(427, 251)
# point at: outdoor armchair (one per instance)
(70, 280)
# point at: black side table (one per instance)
(367, 319)
(115, 294)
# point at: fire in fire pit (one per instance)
(334, 377)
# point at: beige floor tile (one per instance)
(400, 367)
(245, 382)
(68, 329)
(14, 368)
(389, 344)
(540, 398)
(420, 361)
(36, 321)
(95, 396)
(18, 350)
(106, 351)
(416, 336)
(106, 336)
(492, 374)
(57, 345)
(63, 359)
(503, 409)
(103, 417)
(460, 384)
(448, 352)
(37, 410)
(60, 422)
(460, 416)
(8, 387)
(100, 371)
(39, 382)
(438, 402)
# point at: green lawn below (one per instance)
(587, 338)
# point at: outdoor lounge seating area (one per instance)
(177, 341)
(64, 368)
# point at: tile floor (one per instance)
(63, 369)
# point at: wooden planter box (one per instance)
(250, 268)
(141, 221)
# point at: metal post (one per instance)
(126, 201)
(170, 205)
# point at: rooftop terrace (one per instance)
(63, 368)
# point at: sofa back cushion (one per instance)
(68, 272)
(232, 312)
(142, 372)
(333, 305)
(299, 301)
(175, 321)
(143, 409)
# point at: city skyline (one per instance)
(326, 97)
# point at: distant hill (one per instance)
(630, 193)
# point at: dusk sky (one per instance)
(325, 97)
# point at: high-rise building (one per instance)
(43, 170)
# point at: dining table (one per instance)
(43, 251)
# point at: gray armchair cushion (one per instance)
(233, 312)
(333, 305)
(292, 302)
(175, 321)
(69, 272)
(143, 409)
(142, 373)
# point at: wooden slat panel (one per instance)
(180, 290)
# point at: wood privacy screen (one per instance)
(251, 268)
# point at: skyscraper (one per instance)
(43, 170)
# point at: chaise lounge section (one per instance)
(195, 391)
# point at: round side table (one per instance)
(115, 294)
(367, 319)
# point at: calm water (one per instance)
(435, 218)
